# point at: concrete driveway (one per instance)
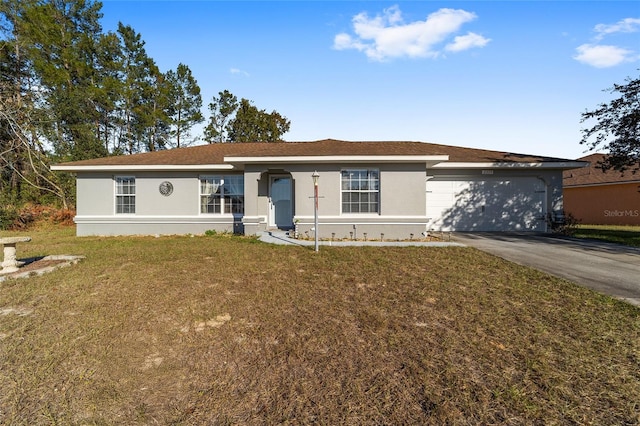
(606, 268)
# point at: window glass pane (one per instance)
(238, 204)
(125, 189)
(128, 204)
(125, 186)
(222, 194)
(360, 191)
(234, 185)
(210, 185)
(373, 203)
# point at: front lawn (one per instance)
(228, 330)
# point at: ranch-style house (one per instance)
(390, 190)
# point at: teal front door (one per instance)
(280, 202)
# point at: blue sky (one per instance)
(503, 75)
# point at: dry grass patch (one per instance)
(221, 330)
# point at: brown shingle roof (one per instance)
(215, 153)
(593, 175)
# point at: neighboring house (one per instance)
(387, 190)
(602, 198)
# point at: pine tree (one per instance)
(187, 101)
(63, 36)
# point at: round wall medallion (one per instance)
(166, 188)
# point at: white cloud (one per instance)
(237, 71)
(387, 36)
(603, 56)
(345, 41)
(627, 25)
(466, 42)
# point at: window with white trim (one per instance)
(222, 194)
(125, 194)
(360, 190)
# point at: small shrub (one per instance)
(567, 225)
(63, 216)
(29, 215)
(210, 232)
(8, 215)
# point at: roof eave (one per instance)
(315, 159)
(563, 165)
(139, 167)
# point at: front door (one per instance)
(280, 202)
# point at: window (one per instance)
(360, 191)
(222, 194)
(125, 194)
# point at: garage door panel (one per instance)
(515, 204)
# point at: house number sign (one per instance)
(166, 188)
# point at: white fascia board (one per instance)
(542, 165)
(141, 168)
(340, 159)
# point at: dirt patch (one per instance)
(39, 266)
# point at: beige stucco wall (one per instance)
(94, 194)
(178, 213)
(403, 201)
(402, 189)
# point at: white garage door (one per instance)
(515, 204)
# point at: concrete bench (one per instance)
(10, 263)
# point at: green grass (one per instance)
(627, 235)
(224, 330)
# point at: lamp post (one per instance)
(315, 177)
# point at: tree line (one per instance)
(71, 91)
